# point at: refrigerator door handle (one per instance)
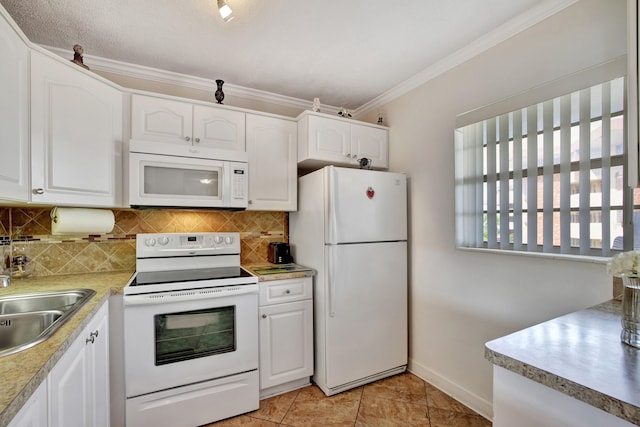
(330, 289)
(332, 208)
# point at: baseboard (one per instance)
(472, 400)
(284, 388)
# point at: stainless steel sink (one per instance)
(28, 319)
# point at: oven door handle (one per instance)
(188, 295)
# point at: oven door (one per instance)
(162, 180)
(183, 337)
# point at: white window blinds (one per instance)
(548, 177)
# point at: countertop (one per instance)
(21, 373)
(267, 271)
(580, 355)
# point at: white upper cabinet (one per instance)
(161, 120)
(328, 140)
(372, 143)
(185, 126)
(218, 128)
(76, 136)
(14, 119)
(324, 139)
(271, 147)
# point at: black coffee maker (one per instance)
(279, 253)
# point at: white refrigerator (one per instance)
(351, 227)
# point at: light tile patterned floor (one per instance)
(402, 400)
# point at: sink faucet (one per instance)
(5, 281)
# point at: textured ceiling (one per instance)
(344, 52)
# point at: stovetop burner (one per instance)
(169, 262)
(177, 276)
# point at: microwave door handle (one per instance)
(225, 183)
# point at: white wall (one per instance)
(460, 299)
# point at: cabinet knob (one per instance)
(287, 291)
(197, 140)
(187, 138)
(264, 316)
(38, 191)
(92, 337)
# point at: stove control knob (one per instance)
(217, 239)
(228, 240)
(163, 240)
(150, 242)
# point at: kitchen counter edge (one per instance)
(23, 372)
(254, 269)
(560, 365)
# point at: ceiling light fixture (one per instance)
(225, 11)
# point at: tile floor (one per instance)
(402, 400)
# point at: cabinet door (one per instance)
(286, 342)
(218, 128)
(272, 150)
(68, 388)
(329, 140)
(98, 360)
(161, 120)
(14, 119)
(34, 412)
(372, 143)
(78, 385)
(76, 136)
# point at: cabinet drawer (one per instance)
(279, 291)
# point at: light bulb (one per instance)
(225, 11)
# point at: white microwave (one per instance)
(159, 180)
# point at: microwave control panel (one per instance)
(239, 179)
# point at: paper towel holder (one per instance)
(56, 219)
(54, 215)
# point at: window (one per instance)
(549, 177)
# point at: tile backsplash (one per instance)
(29, 229)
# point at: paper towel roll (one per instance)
(81, 221)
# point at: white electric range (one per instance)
(190, 331)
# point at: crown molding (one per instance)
(192, 82)
(509, 29)
(518, 24)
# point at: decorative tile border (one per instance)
(52, 255)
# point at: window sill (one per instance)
(561, 257)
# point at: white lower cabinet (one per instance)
(78, 385)
(286, 335)
(76, 391)
(34, 412)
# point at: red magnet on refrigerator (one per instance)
(370, 193)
